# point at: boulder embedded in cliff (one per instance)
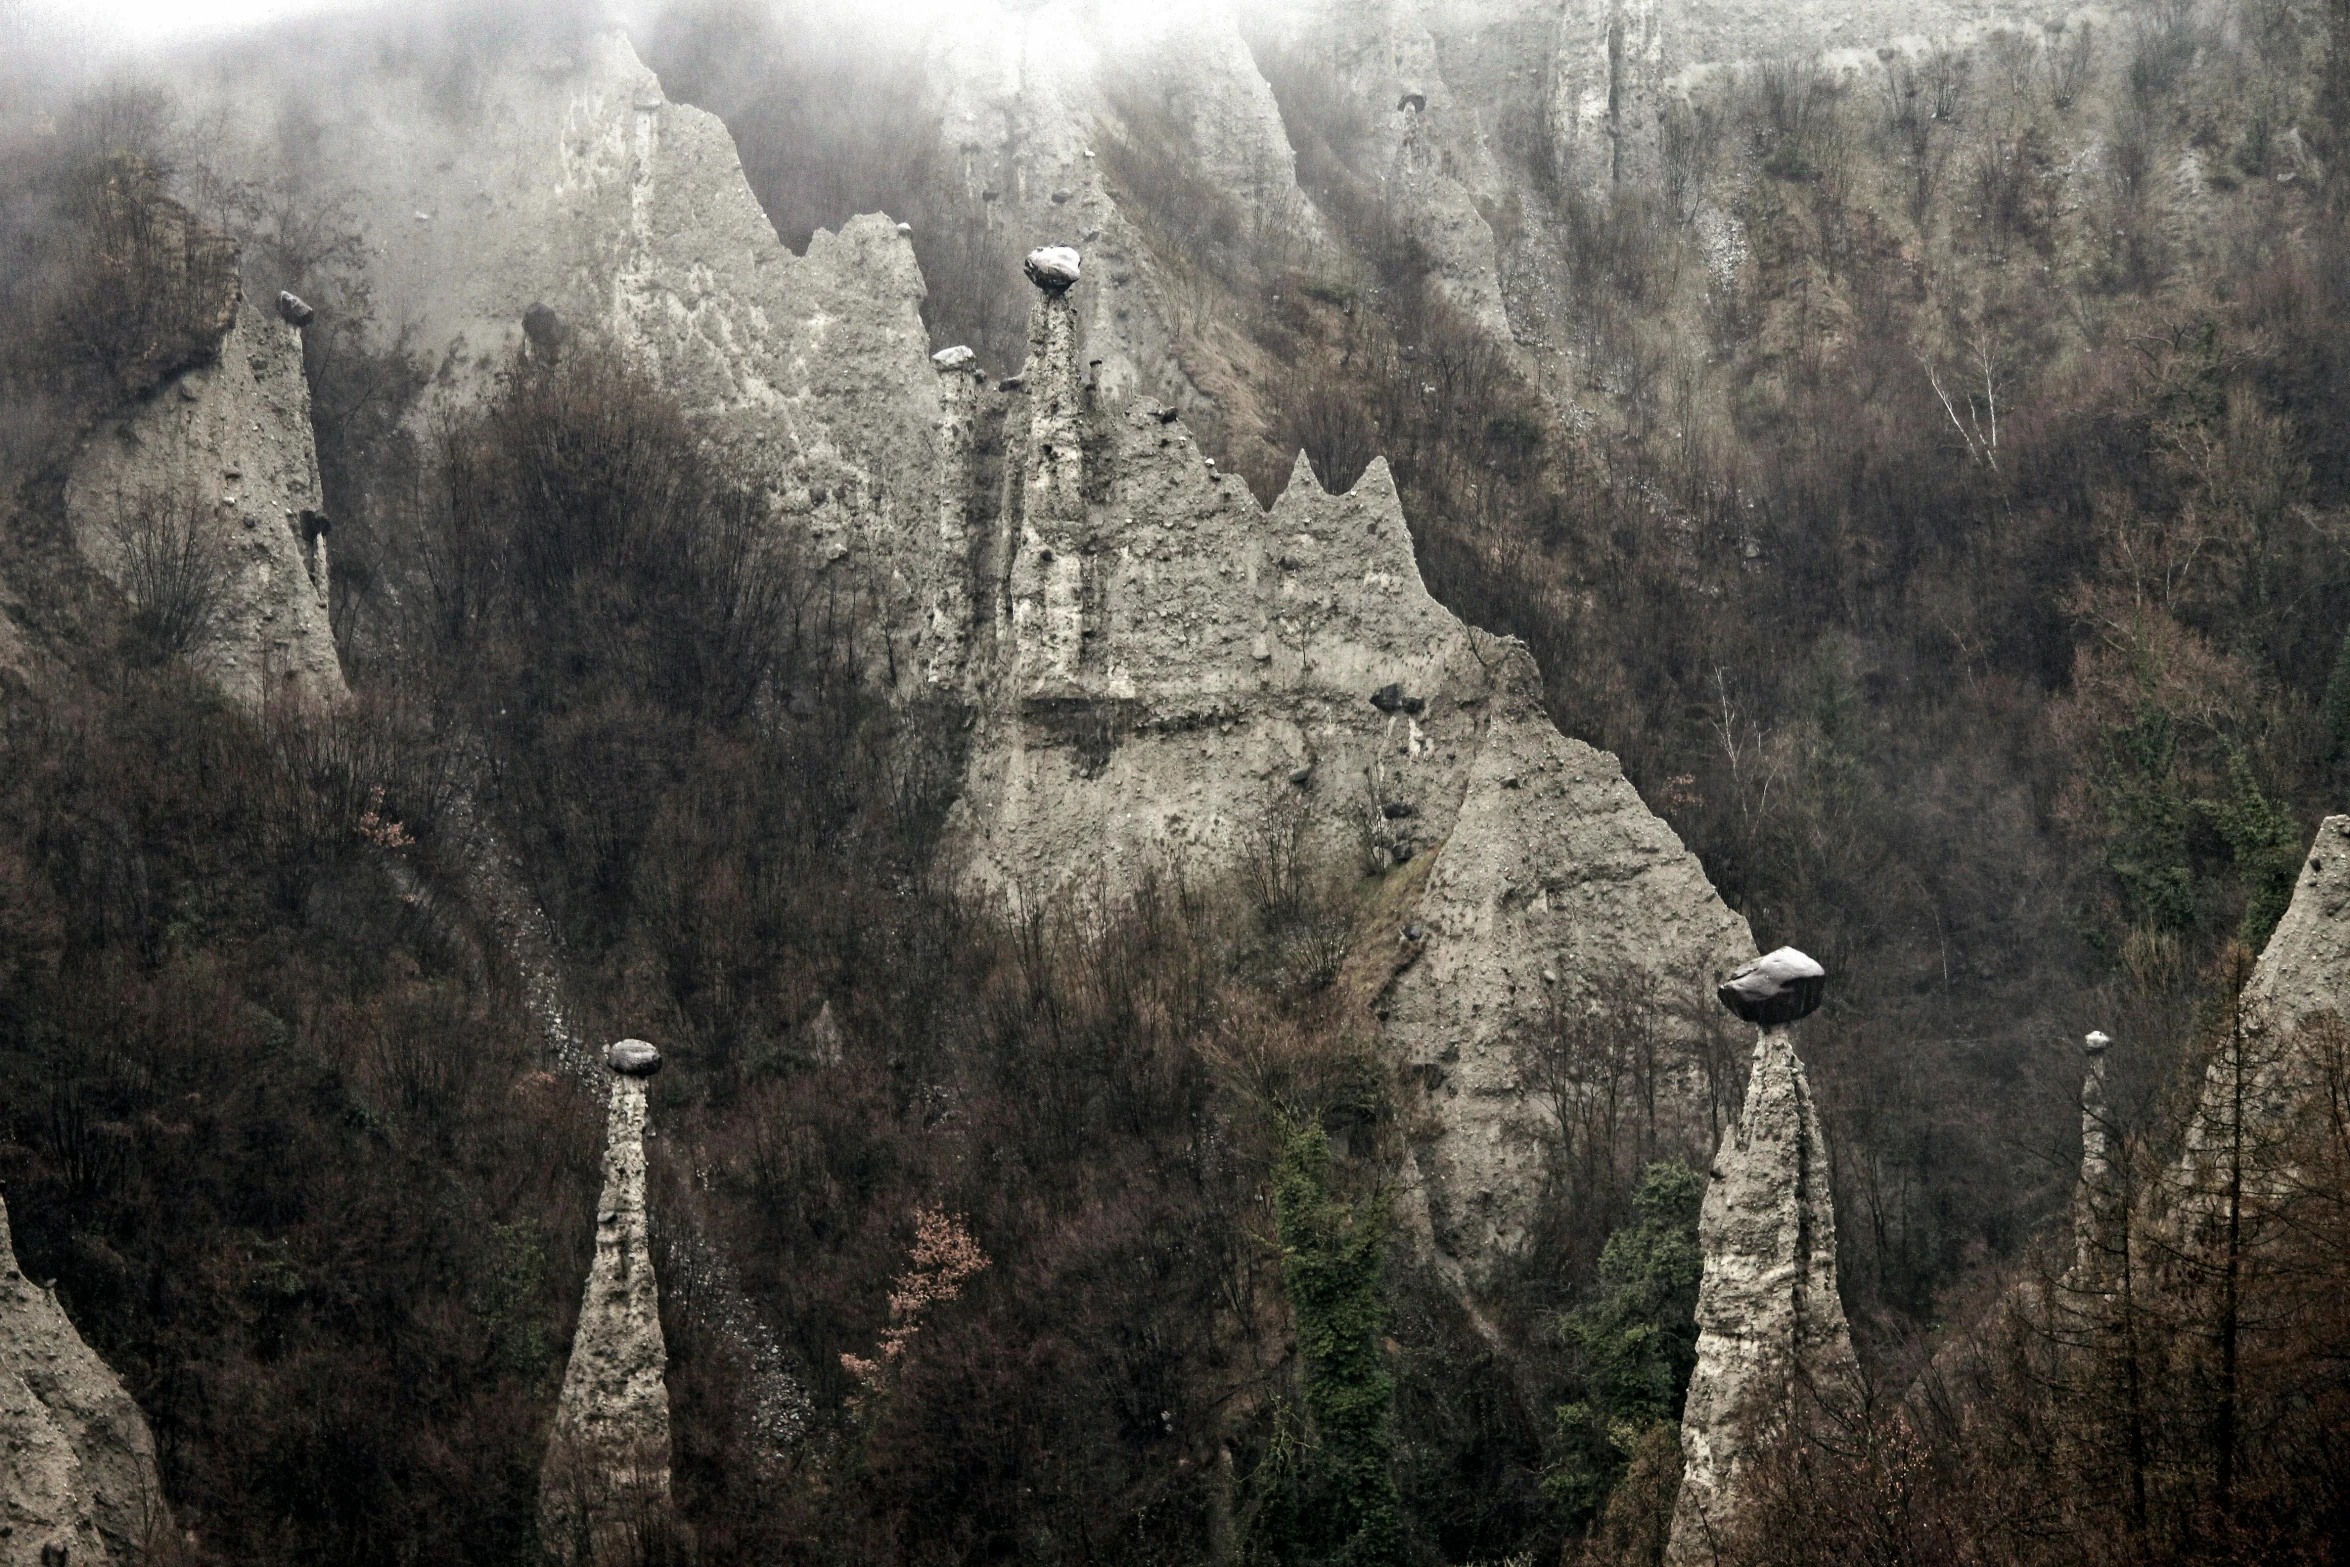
(77, 1465)
(1772, 1341)
(604, 1490)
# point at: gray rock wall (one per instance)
(1772, 1338)
(77, 1464)
(604, 1491)
(2303, 974)
(559, 175)
(1156, 664)
(1172, 671)
(215, 475)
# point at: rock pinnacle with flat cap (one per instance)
(1772, 1341)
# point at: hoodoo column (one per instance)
(1770, 1325)
(1047, 587)
(604, 1492)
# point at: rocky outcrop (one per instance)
(1155, 663)
(1427, 145)
(559, 202)
(1607, 90)
(2261, 1082)
(2305, 967)
(1772, 1338)
(77, 1465)
(604, 1491)
(1165, 669)
(200, 498)
(2093, 1207)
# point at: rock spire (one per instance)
(1771, 1328)
(604, 1492)
(2091, 1201)
(2273, 1072)
(202, 501)
(77, 1464)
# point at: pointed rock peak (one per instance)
(1303, 483)
(606, 1478)
(1377, 485)
(2305, 967)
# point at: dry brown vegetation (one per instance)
(1965, 585)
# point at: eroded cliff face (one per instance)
(604, 1492)
(77, 1463)
(1772, 1339)
(1169, 670)
(197, 494)
(557, 175)
(210, 487)
(1156, 665)
(2264, 1085)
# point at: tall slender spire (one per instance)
(604, 1491)
(1047, 550)
(2091, 1202)
(1770, 1324)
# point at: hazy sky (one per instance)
(136, 19)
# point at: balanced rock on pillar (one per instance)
(1771, 1334)
(604, 1490)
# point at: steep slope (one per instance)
(77, 1465)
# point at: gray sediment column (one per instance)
(604, 1490)
(1772, 1337)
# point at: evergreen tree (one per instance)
(1332, 1266)
(1634, 1345)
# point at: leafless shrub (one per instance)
(1595, 1062)
(1946, 72)
(1334, 431)
(2014, 61)
(172, 557)
(2163, 43)
(2066, 61)
(2005, 171)
(1691, 138)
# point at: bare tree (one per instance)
(173, 565)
